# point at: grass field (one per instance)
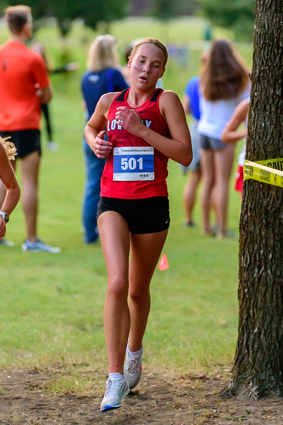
(51, 305)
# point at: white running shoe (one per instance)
(38, 246)
(6, 243)
(116, 390)
(133, 370)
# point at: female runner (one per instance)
(145, 126)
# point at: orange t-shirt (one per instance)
(20, 70)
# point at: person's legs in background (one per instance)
(189, 196)
(94, 169)
(223, 167)
(30, 170)
(27, 143)
(51, 145)
(208, 175)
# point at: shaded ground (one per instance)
(30, 397)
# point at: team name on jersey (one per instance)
(114, 125)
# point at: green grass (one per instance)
(51, 305)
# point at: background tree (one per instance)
(165, 10)
(65, 11)
(141, 7)
(258, 366)
(106, 11)
(237, 15)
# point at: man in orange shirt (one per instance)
(24, 85)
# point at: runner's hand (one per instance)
(73, 66)
(130, 120)
(101, 147)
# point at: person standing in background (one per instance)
(24, 85)
(191, 106)
(224, 83)
(103, 76)
(73, 66)
(232, 134)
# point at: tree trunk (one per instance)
(258, 365)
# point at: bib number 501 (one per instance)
(131, 163)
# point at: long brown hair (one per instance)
(224, 75)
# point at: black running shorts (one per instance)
(26, 141)
(149, 215)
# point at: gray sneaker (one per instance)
(133, 370)
(38, 246)
(116, 390)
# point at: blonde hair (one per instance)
(17, 17)
(150, 40)
(103, 53)
(9, 147)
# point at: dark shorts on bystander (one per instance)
(207, 142)
(26, 141)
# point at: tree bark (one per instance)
(258, 365)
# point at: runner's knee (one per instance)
(138, 296)
(117, 287)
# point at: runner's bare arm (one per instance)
(8, 178)
(95, 127)
(231, 133)
(179, 146)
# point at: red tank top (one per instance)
(134, 169)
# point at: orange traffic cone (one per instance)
(163, 263)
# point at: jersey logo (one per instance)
(93, 78)
(113, 124)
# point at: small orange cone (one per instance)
(163, 263)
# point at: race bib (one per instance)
(133, 163)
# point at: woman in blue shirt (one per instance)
(102, 76)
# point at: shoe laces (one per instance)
(133, 364)
(112, 387)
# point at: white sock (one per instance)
(134, 354)
(115, 375)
